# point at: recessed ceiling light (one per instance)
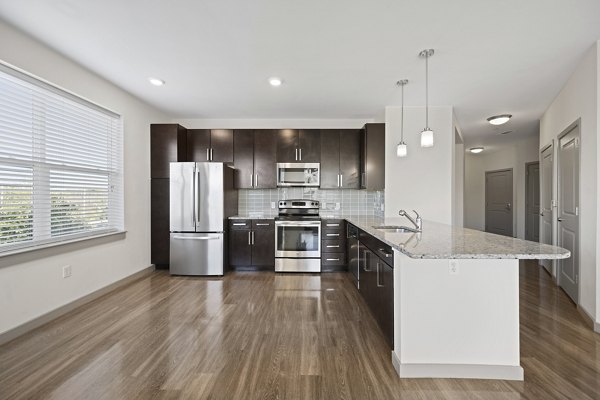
(156, 81)
(499, 119)
(476, 150)
(274, 81)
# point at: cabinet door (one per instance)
(240, 249)
(373, 157)
(198, 145)
(263, 250)
(265, 150)
(330, 158)
(243, 155)
(221, 145)
(167, 144)
(287, 145)
(159, 222)
(309, 145)
(349, 155)
(386, 288)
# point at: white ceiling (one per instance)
(339, 58)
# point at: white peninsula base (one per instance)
(456, 318)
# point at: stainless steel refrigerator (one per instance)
(202, 197)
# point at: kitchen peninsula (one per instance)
(456, 298)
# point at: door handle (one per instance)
(508, 206)
(300, 154)
(365, 261)
(249, 239)
(378, 274)
(256, 180)
(251, 180)
(559, 219)
(252, 238)
(207, 154)
(211, 154)
(197, 197)
(341, 180)
(333, 234)
(338, 180)
(332, 245)
(263, 224)
(239, 224)
(542, 214)
(332, 259)
(333, 224)
(296, 154)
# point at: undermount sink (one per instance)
(394, 229)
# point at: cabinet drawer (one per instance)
(263, 224)
(332, 224)
(333, 259)
(333, 246)
(238, 224)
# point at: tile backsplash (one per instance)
(333, 202)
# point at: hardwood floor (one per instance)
(266, 336)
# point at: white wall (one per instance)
(513, 155)
(32, 285)
(458, 176)
(579, 99)
(422, 180)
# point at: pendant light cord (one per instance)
(402, 118)
(427, 90)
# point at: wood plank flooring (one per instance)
(266, 336)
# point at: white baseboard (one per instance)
(28, 326)
(461, 371)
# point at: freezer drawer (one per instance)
(196, 253)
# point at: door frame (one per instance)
(527, 164)
(512, 173)
(574, 125)
(549, 265)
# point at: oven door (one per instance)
(298, 174)
(298, 239)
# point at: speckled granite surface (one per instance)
(441, 241)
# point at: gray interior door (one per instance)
(498, 202)
(532, 202)
(546, 200)
(568, 211)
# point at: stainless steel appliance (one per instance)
(353, 253)
(298, 236)
(202, 197)
(298, 174)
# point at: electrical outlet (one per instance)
(382, 207)
(337, 206)
(66, 270)
(273, 204)
(453, 267)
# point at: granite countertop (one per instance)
(441, 241)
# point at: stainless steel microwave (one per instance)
(298, 174)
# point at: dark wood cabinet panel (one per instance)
(243, 156)
(287, 145)
(387, 315)
(330, 159)
(309, 145)
(198, 145)
(159, 222)
(349, 156)
(168, 144)
(265, 159)
(221, 145)
(372, 168)
(263, 249)
(240, 248)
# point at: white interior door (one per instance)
(568, 211)
(546, 200)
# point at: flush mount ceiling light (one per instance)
(499, 119)
(427, 133)
(156, 81)
(274, 81)
(476, 150)
(401, 150)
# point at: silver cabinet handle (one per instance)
(385, 253)
(333, 225)
(256, 180)
(251, 180)
(207, 154)
(365, 261)
(249, 239)
(332, 245)
(333, 234)
(263, 224)
(378, 274)
(338, 180)
(341, 180)
(300, 154)
(195, 237)
(211, 154)
(252, 238)
(239, 224)
(296, 154)
(332, 259)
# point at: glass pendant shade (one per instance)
(401, 149)
(427, 138)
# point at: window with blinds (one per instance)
(61, 175)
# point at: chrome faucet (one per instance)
(417, 222)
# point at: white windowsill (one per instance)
(59, 243)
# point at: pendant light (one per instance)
(427, 133)
(401, 149)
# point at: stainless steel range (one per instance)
(298, 236)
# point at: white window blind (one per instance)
(60, 165)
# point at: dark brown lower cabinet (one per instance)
(252, 244)
(159, 223)
(377, 284)
(333, 245)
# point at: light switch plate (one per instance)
(66, 271)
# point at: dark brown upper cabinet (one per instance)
(372, 156)
(210, 145)
(255, 161)
(168, 144)
(302, 145)
(340, 159)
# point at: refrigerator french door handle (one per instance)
(196, 196)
